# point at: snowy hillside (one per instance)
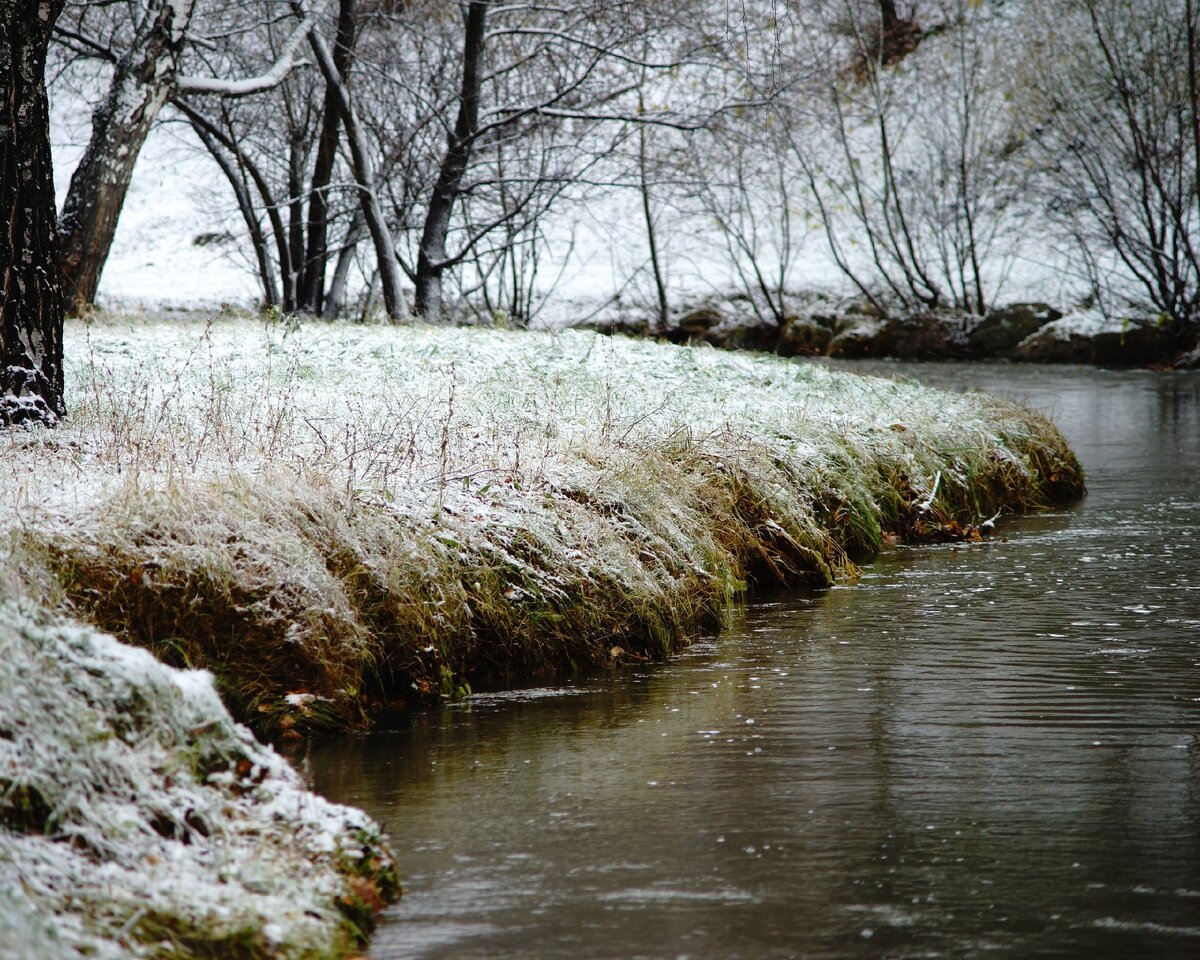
(181, 243)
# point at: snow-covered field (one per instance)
(427, 412)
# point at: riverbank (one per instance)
(853, 328)
(138, 820)
(342, 521)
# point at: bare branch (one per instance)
(278, 72)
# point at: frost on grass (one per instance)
(338, 520)
(137, 820)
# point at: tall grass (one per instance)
(340, 521)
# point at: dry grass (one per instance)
(340, 521)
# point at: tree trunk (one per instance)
(372, 209)
(889, 16)
(431, 257)
(335, 299)
(312, 277)
(141, 84)
(295, 207)
(660, 283)
(31, 296)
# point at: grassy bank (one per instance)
(137, 820)
(340, 521)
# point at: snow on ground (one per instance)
(397, 409)
(1085, 324)
(178, 245)
(136, 819)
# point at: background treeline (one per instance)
(430, 156)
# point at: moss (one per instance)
(24, 808)
(173, 937)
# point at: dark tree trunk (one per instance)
(660, 283)
(898, 36)
(372, 209)
(31, 297)
(141, 84)
(335, 299)
(887, 13)
(431, 257)
(312, 277)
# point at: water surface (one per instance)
(986, 750)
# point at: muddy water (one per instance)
(990, 750)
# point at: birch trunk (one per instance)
(143, 81)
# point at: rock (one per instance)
(730, 329)
(926, 337)
(866, 337)
(1107, 342)
(998, 334)
(920, 337)
(1143, 343)
(629, 326)
(695, 324)
(803, 338)
(751, 335)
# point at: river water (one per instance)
(985, 750)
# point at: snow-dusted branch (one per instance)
(278, 72)
(608, 51)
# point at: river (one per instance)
(979, 750)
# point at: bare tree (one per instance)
(541, 95)
(31, 300)
(431, 254)
(311, 295)
(372, 211)
(144, 45)
(744, 180)
(306, 193)
(907, 164)
(1117, 132)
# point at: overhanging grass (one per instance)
(341, 521)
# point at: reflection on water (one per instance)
(982, 750)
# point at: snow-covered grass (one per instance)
(138, 820)
(336, 519)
